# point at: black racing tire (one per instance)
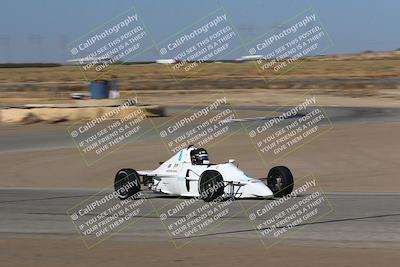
(211, 185)
(127, 183)
(280, 181)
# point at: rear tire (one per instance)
(280, 181)
(127, 183)
(211, 185)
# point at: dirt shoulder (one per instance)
(66, 252)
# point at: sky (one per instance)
(42, 30)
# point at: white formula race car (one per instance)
(189, 173)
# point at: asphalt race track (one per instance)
(357, 219)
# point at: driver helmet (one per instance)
(199, 156)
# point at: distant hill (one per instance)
(361, 56)
(29, 65)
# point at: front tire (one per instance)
(211, 185)
(127, 183)
(280, 181)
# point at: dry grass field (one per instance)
(366, 75)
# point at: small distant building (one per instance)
(165, 61)
(88, 60)
(250, 58)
